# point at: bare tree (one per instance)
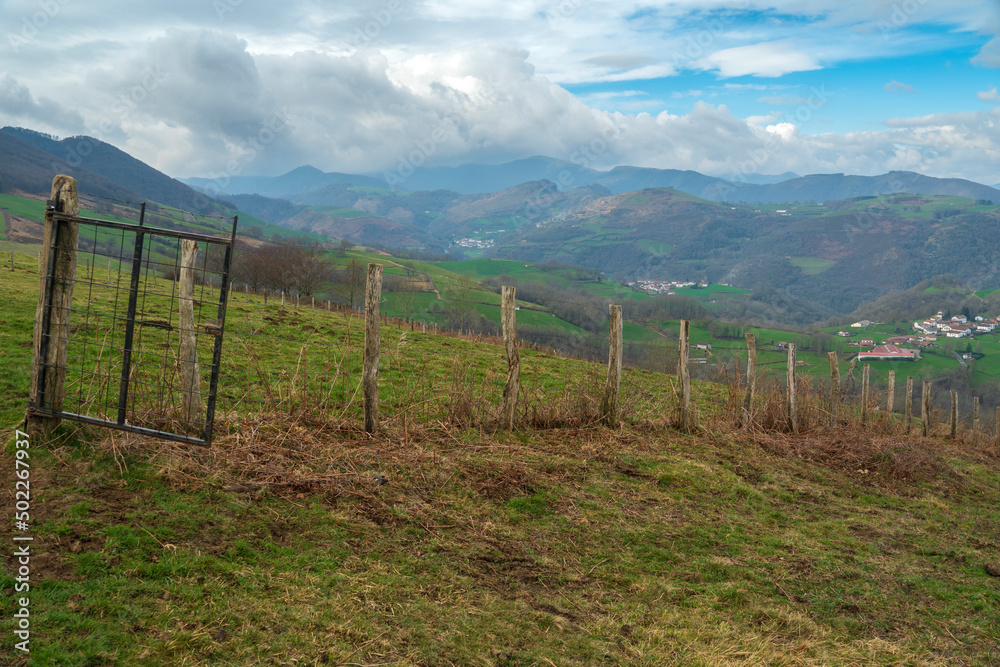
(461, 311)
(349, 283)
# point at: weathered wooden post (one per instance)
(188, 357)
(685, 420)
(890, 401)
(996, 442)
(953, 422)
(908, 410)
(369, 375)
(793, 416)
(834, 387)
(750, 397)
(975, 420)
(925, 407)
(55, 300)
(865, 388)
(609, 406)
(509, 325)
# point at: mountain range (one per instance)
(833, 242)
(482, 178)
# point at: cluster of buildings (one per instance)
(666, 286)
(661, 286)
(958, 326)
(888, 352)
(473, 243)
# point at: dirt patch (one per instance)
(882, 460)
(22, 230)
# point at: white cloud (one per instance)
(989, 55)
(186, 89)
(897, 87)
(988, 95)
(18, 104)
(769, 59)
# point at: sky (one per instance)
(221, 88)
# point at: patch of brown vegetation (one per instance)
(22, 230)
(884, 460)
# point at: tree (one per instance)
(309, 269)
(460, 310)
(349, 283)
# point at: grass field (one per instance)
(300, 539)
(811, 266)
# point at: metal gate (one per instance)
(119, 331)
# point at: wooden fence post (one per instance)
(609, 406)
(953, 422)
(513, 384)
(834, 387)
(369, 375)
(188, 354)
(890, 401)
(908, 410)
(55, 301)
(925, 407)
(685, 420)
(793, 416)
(865, 389)
(996, 417)
(975, 420)
(750, 397)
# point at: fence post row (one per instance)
(750, 395)
(975, 420)
(188, 361)
(369, 374)
(834, 387)
(925, 407)
(908, 410)
(609, 406)
(890, 403)
(513, 384)
(954, 413)
(55, 299)
(865, 390)
(793, 416)
(686, 423)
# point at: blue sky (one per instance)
(725, 87)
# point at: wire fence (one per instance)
(110, 343)
(289, 353)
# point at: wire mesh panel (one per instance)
(142, 350)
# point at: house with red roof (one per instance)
(887, 352)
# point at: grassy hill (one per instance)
(299, 539)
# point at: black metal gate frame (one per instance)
(140, 233)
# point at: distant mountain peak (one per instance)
(304, 170)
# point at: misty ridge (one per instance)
(810, 248)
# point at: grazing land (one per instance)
(300, 539)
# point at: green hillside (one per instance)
(297, 538)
